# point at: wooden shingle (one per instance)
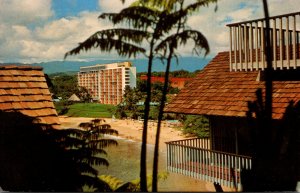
(24, 89)
(217, 91)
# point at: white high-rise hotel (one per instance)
(106, 82)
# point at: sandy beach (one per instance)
(130, 129)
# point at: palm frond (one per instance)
(104, 40)
(96, 161)
(102, 143)
(86, 168)
(167, 20)
(101, 131)
(97, 121)
(195, 6)
(79, 154)
(175, 40)
(95, 182)
(71, 143)
(85, 125)
(112, 181)
(136, 16)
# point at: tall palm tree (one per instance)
(167, 48)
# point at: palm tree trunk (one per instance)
(160, 116)
(143, 165)
(161, 110)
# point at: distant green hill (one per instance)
(186, 63)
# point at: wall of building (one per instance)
(106, 82)
(230, 134)
(175, 82)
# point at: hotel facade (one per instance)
(106, 82)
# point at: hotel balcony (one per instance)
(248, 48)
(195, 158)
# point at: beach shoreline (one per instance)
(131, 129)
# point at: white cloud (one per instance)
(113, 5)
(22, 40)
(24, 11)
(213, 24)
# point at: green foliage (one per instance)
(118, 185)
(196, 125)
(113, 182)
(153, 114)
(157, 89)
(175, 73)
(119, 112)
(64, 85)
(94, 110)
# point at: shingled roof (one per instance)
(217, 91)
(24, 89)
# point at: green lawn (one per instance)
(93, 110)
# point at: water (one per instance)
(124, 163)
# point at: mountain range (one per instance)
(185, 63)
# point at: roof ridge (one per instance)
(19, 67)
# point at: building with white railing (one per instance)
(106, 82)
(222, 92)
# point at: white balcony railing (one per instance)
(247, 43)
(194, 158)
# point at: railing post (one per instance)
(168, 157)
(230, 44)
(246, 47)
(274, 44)
(262, 45)
(251, 46)
(287, 43)
(235, 48)
(240, 47)
(281, 39)
(256, 46)
(294, 43)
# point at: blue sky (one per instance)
(69, 8)
(43, 30)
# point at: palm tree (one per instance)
(85, 147)
(168, 46)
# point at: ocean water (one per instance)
(124, 163)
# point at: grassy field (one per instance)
(93, 110)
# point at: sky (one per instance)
(44, 30)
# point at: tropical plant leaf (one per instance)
(102, 143)
(95, 182)
(96, 161)
(86, 168)
(175, 40)
(105, 129)
(71, 142)
(195, 6)
(85, 125)
(112, 181)
(106, 43)
(136, 16)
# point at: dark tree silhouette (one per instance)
(31, 160)
(35, 157)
